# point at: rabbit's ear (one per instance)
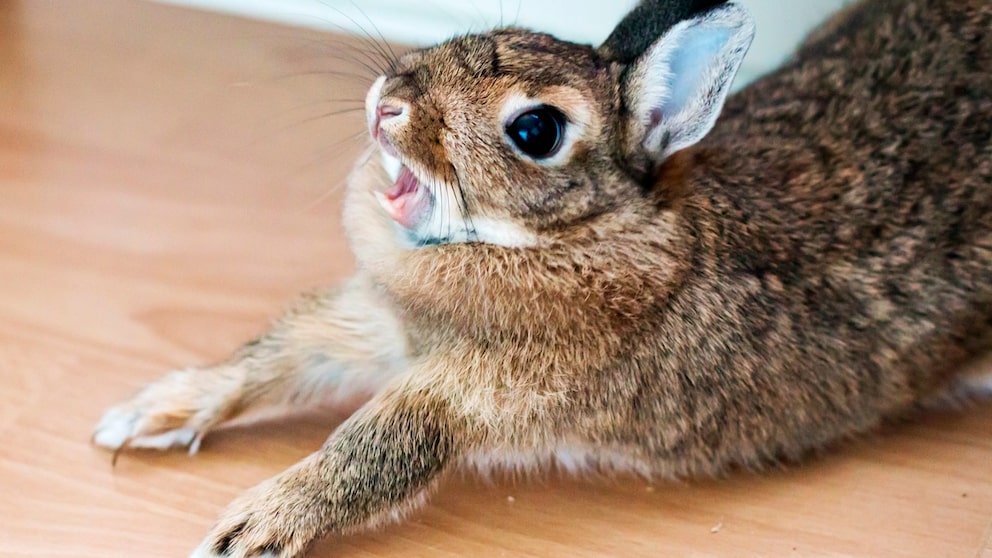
(677, 87)
(645, 23)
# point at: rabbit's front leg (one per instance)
(340, 344)
(378, 465)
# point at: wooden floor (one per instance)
(167, 184)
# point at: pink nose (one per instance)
(385, 111)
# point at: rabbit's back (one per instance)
(868, 160)
(843, 210)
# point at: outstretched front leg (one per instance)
(333, 344)
(378, 465)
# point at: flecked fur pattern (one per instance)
(819, 263)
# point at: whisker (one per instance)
(463, 205)
(311, 73)
(346, 139)
(276, 123)
(341, 48)
(394, 60)
(366, 37)
(482, 15)
(338, 186)
(370, 62)
(319, 102)
(317, 117)
(437, 208)
(333, 113)
(319, 155)
(446, 222)
(447, 13)
(334, 189)
(434, 211)
(365, 40)
(347, 53)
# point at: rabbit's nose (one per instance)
(386, 110)
(383, 112)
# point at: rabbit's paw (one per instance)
(273, 520)
(123, 426)
(176, 411)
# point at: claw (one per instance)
(194, 446)
(115, 455)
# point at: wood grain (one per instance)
(167, 185)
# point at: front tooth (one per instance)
(392, 165)
(384, 202)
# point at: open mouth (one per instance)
(406, 200)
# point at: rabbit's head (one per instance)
(511, 136)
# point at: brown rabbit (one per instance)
(562, 261)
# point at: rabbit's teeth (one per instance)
(391, 165)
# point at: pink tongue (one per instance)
(402, 201)
(405, 184)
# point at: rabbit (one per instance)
(565, 260)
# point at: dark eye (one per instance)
(538, 132)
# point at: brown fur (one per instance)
(820, 263)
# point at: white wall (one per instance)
(781, 24)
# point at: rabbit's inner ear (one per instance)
(678, 87)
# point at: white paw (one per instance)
(115, 428)
(122, 426)
(176, 411)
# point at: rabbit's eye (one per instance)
(538, 132)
